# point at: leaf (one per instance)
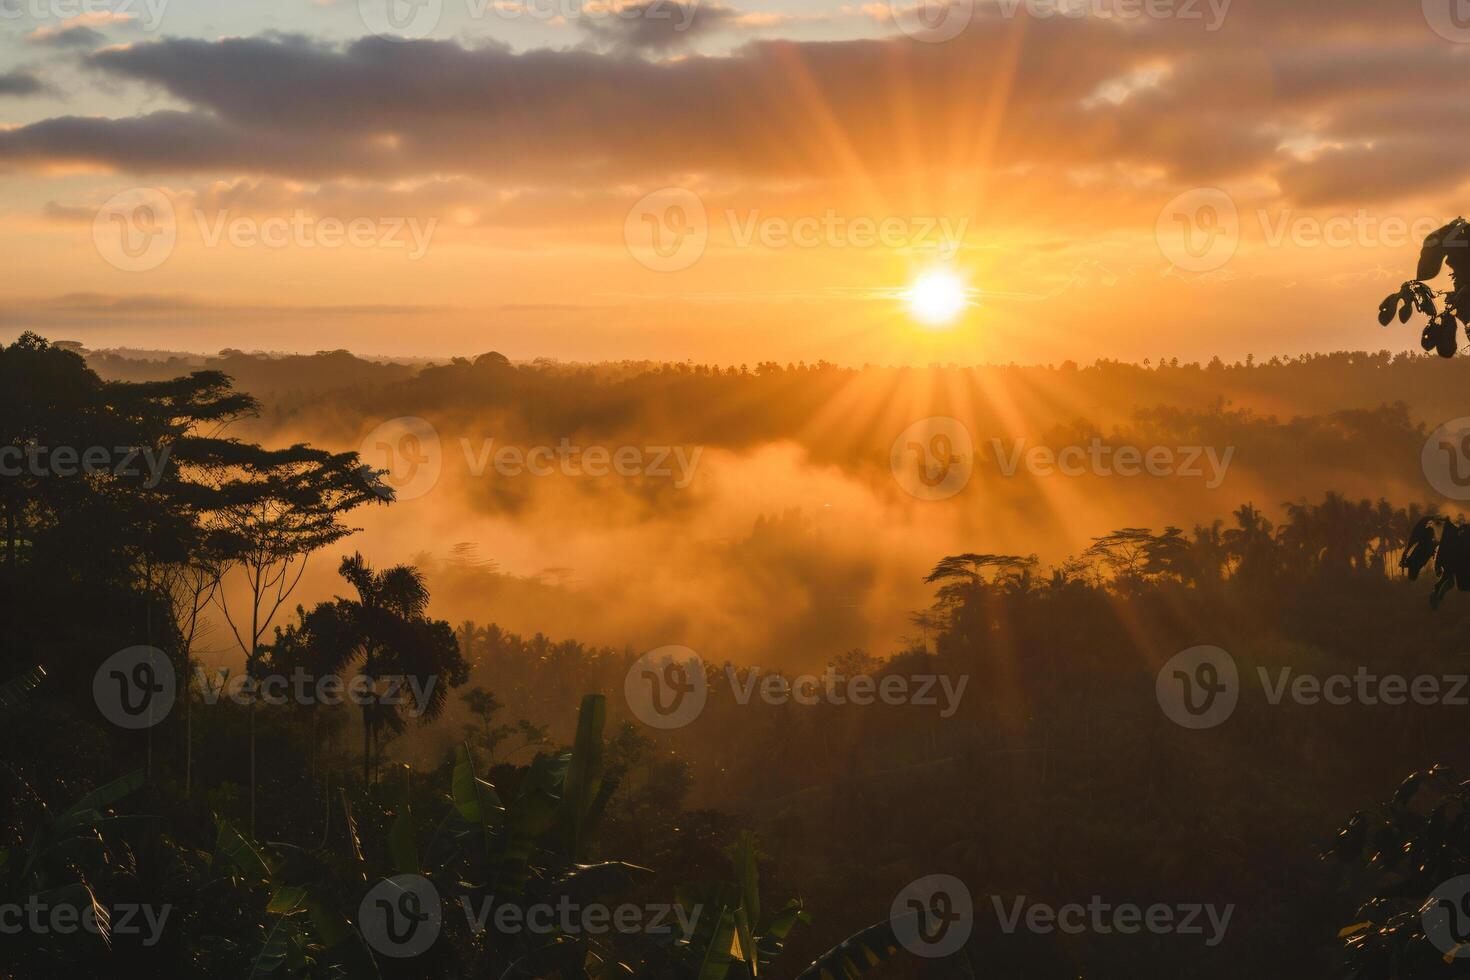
(286, 900)
(474, 798)
(580, 787)
(88, 810)
(771, 938)
(1386, 310)
(855, 955)
(14, 691)
(232, 849)
(275, 949)
(747, 874)
(719, 950)
(586, 883)
(402, 844)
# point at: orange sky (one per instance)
(1116, 179)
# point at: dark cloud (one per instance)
(1422, 165)
(20, 83)
(74, 36)
(1162, 97)
(655, 26)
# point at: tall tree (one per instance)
(283, 506)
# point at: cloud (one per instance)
(20, 83)
(80, 31)
(654, 26)
(67, 37)
(1156, 100)
(102, 308)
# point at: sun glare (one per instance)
(937, 297)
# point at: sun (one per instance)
(937, 297)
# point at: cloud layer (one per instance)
(1361, 106)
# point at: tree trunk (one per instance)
(367, 753)
(255, 694)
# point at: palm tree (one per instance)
(388, 628)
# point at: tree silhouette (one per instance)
(1450, 244)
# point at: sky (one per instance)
(1023, 181)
